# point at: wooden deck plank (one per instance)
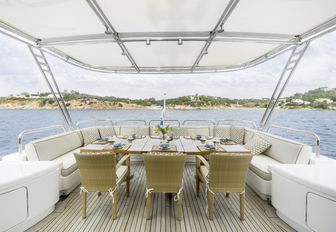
(131, 212)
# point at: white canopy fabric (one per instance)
(166, 36)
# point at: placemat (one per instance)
(124, 148)
(158, 148)
(202, 148)
(102, 148)
(101, 142)
(235, 148)
(230, 142)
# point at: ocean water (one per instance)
(12, 122)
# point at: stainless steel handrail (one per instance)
(122, 121)
(253, 123)
(94, 120)
(37, 130)
(152, 121)
(318, 140)
(210, 121)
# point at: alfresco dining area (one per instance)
(164, 160)
(194, 178)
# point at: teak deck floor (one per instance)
(259, 215)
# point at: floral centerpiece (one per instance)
(163, 130)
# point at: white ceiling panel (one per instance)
(51, 18)
(165, 54)
(234, 53)
(280, 16)
(77, 31)
(163, 15)
(102, 54)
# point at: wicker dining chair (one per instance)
(99, 172)
(225, 173)
(164, 172)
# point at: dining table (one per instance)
(146, 144)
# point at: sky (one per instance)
(19, 73)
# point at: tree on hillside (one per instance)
(26, 94)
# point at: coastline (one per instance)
(50, 104)
(157, 108)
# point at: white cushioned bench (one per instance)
(282, 151)
(62, 147)
(59, 148)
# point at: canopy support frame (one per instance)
(286, 75)
(313, 33)
(219, 26)
(46, 72)
(202, 36)
(111, 31)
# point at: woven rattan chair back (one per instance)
(228, 171)
(164, 171)
(97, 171)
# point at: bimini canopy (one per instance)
(166, 36)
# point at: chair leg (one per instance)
(128, 163)
(210, 204)
(84, 195)
(98, 194)
(115, 204)
(179, 208)
(242, 205)
(227, 194)
(149, 206)
(197, 185)
(128, 180)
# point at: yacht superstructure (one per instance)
(147, 37)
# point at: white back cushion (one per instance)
(197, 130)
(106, 131)
(222, 131)
(90, 135)
(284, 150)
(52, 147)
(138, 130)
(237, 134)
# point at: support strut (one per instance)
(48, 76)
(293, 60)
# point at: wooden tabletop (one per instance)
(144, 145)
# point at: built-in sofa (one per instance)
(61, 148)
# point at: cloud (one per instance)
(19, 73)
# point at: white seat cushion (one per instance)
(69, 162)
(260, 166)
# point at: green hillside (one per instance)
(321, 98)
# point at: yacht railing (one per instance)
(169, 122)
(33, 131)
(129, 122)
(94, 120)
(211, 122)
(222, 121)
(307, 132)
